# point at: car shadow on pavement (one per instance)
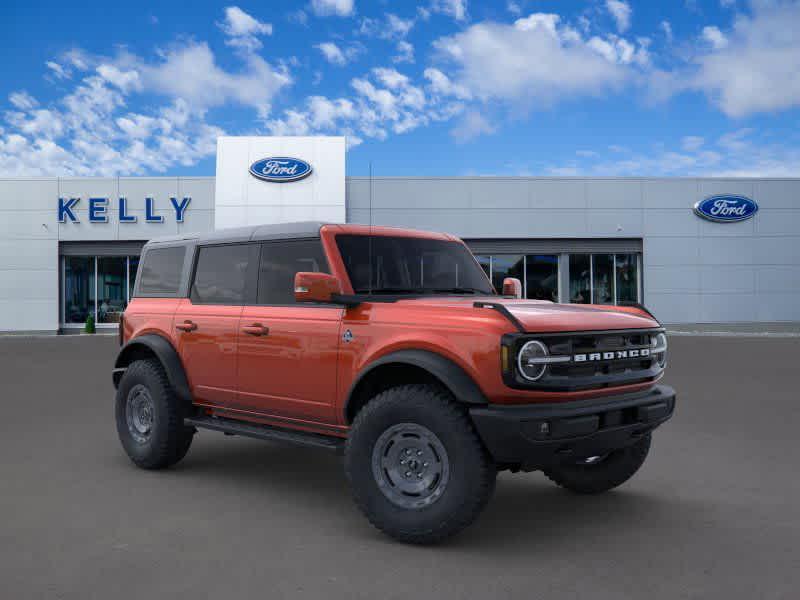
(527, 513)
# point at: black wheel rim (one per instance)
(139, 413)
(410, 465)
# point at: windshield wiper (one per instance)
(422, 291)
(388, 290)
(461, 290)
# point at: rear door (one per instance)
(288, 351)
(207, 323)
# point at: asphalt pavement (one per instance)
(714, 513)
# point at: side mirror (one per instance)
(315, 287)
(512, 287)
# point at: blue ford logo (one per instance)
(280, 169)
(726, 209)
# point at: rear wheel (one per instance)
(150, 417)
(596, 474)
(416, 466)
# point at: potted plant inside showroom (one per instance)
(89, 327)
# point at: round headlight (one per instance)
(530, 360)
(658, 348)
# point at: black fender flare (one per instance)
(166, 354)
(451, 375)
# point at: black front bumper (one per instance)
(536, 436)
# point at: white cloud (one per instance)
(621, 11)
(440, 84)
(37, 123)
(471, 125)
(619, 50)
(332, 53)
(22, 100)
(336, 55)
(453, 8)
(537, 60)
(514, 8)
(191, 72)
(91, 131)
(339, 8)
(385, 101)
(715, 37)
(692, 143)
(397, 26)
(758, 70)
(727, 3)
(391, 78)
(298, 16)
(127, 80)
(391, 27)
(243, 29)
(666, 27)
(735, 154)
(58, 70)
(405, 53)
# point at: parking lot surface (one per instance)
(714, 513)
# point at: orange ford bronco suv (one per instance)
(390, 346)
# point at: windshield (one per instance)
(408, 265)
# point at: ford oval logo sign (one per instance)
(726, 209)
(280, 169)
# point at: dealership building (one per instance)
(693, 250)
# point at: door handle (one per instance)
(186, 326)
(255, 329)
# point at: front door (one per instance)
(287, 352)
(207, 323)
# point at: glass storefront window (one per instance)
(79, 288)
(506, 265)
(593, 278)
(541, 277)
(580, 282)
(110, 278)
(627, 278)
(112, 295)
(603, 278)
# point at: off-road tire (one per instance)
(168, 440)
(612, 471)
(472, 472)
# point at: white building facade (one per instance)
(69, 247)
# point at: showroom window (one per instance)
(537, 272)
(604, 278)
(99, 286)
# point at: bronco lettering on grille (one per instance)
(615, 355)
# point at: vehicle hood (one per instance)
(542, 316)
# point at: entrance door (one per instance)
(288, 351)
(207, 323)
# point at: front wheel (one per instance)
(150, 417)
(416, 466)
(596, 474)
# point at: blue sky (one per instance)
(437, 87)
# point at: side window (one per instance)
(161, 271)
(220, 274)
(280, 261)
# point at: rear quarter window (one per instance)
(160, 271)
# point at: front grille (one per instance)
(595, 367)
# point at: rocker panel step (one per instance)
(266, 432)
